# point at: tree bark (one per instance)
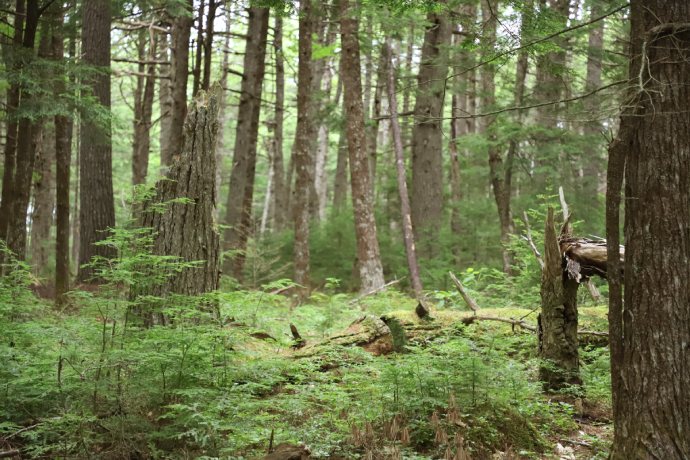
(406, 218)
(43, 197)
(340, 183)
(427, 136)
(558, 319)
(368, 254)
(97, 205)
(199, 52)
(165, 102)
(186, 229)
(181, 31)
(649, 334)
(208, 44)
(241, 189)
(302, 153)
(280, 206)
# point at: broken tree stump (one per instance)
(181, 213)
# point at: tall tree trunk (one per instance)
(97, 205)
(187, 230)
(181, 31)
(500, 171)
(43, 197)
(302, 153)
(649, 333)
(165, 102)
(28, 137)
(340, 183)
(63, 159)
(368, 254)
(427, 135)
(408, 233)
(13, 95)
(199, 52)
(208, 44)
(374, 122)
(280, 206)
(143, 109)
(222, 111)
(241, 190)
(593, 163)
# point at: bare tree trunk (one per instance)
(500, 172)
(143, 109)
(368, 254)
(208, 45)
(374, 122)
(97, 205)
(63, 159)
(408, 234)
(427, 136)
(241, 189)
(187, 230)
(199, 52)
(43, 197)
(181, 31)
(340, 183)
(280, 205)
(649, 332)
(302, 154)
(223, 106)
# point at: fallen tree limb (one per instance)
(514, 322)
(9, 453)
(466, 297)
(374, 291)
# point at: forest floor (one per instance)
(80, 384)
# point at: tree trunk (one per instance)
(181, 31)
(500, 171)
(143, 108)
(427, 135)
(408, 234)
(187, 230)
(241, 189)
(165, 102)
(558, 318)
(43, 197)
(63, 159)
(340, 183)
(223, 107)
(97, 205)
(208, 45)
(649, 334)
(368, 255)
(302, 153)
(198, 54)
(280, 206)
(28, 137)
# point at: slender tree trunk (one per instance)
(368, 255)
(222, 111)
(302, 154)
(649, 333)
(340, 183)
(408, 234)
(208, 45)
(97, 205)
(165, 102)
(427, 135)
(43, 196)
(143, 109)
(63, 160)
(499, 170)
(280, 206)
(199, 52)
(374, 122)
(241, 190)
(181, 32)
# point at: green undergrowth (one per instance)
(80, 383)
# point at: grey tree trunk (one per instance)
(427, 135)
(280, 205)
(187, 229)
(165, 102)
(241, 188)
(649, 334)
(368, 254)
(143, 108)
(43, 199)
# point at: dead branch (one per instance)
(374, 291)
(530, 241)
(514, 322)
(9, 453)
(466, 297)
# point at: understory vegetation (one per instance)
(227, 380)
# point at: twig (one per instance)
(466, 297)
(530, 241)
(9, 453)
(374, 291)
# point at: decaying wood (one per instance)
(368, 332)
(286, 451)
(296, 337)
(466, 297)
(586, 258)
